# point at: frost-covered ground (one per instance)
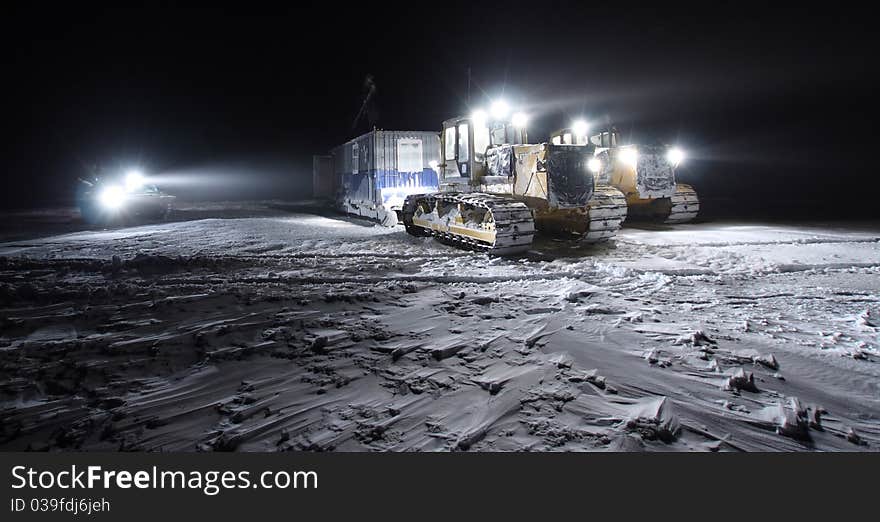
(264, 328)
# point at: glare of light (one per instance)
(580, 128)
(499, 110)
(479, 117)
(433, 164)
(394, 197)
(134, 180)
(675, 156)
(630, 156)
(112, 197)
(595, 165)
(520, 120)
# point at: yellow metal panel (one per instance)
(483, 235)
(529, 180)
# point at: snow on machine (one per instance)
(496, 189)
(120, 197)
(645, 175)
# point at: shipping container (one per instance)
(374, 173)
(323, 180)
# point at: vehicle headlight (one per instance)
(479, 117)
(112, 197)
(675, 156)
(134, 180)
(630, 156)
(499, 110)
(595, 165)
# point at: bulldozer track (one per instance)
(685, 205)
(512, 222)
(598, 221)
(607, 212)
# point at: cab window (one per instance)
(516, 135)
(463, 148)
(499, 135)
(602, 140)
(481, 142)
(449, 138)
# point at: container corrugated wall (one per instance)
(380, 168)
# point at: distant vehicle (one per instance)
(645, 174)
(128, 195)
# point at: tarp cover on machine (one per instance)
(571, 182)
(655, 177)
(500, 161)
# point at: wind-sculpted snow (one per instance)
(297, 331)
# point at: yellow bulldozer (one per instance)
(496, 189)
(644, 174)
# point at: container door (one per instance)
(322, 177)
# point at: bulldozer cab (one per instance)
(604, 140)
(503, 133)
(567, 137)
(607, 139)
(463, 145)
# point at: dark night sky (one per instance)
(771, 104)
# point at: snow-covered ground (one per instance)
(266, 328)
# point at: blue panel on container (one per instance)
(357, 187)
(393, 187)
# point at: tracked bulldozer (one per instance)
(496, 190)
(644, 174)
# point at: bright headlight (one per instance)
(580, 128)
(479, 117)
(595, 165)
(134, 180)
(499, 110)
(630, 156)
(112, 197)
(675, 156)
(519, 120)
